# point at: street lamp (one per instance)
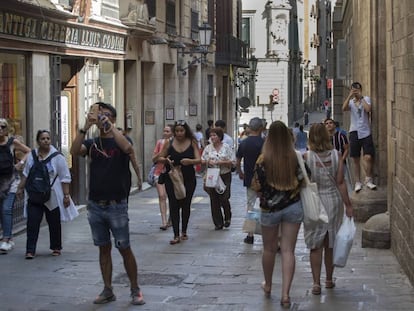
(204, 32)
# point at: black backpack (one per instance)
(38, 184)
(6, 158)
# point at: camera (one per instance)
(106, 125)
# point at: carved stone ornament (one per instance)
(137, 12)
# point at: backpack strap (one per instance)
(54, 154)
(10, 141)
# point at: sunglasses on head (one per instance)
(180, 122)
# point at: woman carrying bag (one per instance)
(327, 172)
(220, 156)
(182, 152)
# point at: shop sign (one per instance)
(62, 34)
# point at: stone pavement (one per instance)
(213, 270)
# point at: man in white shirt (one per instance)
(360, 135)
(226, 138)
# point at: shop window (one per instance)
(13, 91)
(100, 82)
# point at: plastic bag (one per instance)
(343, 242)
(212, 177)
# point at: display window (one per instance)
(13, 91)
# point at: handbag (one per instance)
(151, 176)
(212, 177)
(177, 180)
(313, 209)
(343, 242)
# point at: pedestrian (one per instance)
(219, 155)
(59, 200)
(360, 136)
(301, 140)
(227, 139)
(305, 117)
(182, 151)
(327, 171)
(160, 169)
(248, 152)
(277, 181)
(13, 153)
(210, 125)
(107, 207)
(198, 134)
(295, 129)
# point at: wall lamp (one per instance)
(204, 32)
(247, 75)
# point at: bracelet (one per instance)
(82, 131)
(21, 162)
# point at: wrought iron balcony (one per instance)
(231, 50)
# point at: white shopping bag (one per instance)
(212, 177)
(343, 242)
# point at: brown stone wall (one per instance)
(380, 36)
(400, 107)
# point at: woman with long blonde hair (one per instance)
(277, 180)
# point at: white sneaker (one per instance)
(6, 246)
(370, 184)
(358, 186)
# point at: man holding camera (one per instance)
(109, 184)
(360, 135)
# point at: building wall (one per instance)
(400, 115)
(379, 37)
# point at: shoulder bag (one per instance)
(313, 209)
(177, 180)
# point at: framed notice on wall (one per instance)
(169, 114)
(149, 117)
(192, 110)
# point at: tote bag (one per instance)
(313, 209)
(212, 177)
(177, 180)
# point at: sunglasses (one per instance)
(180, 122)
(3, 127)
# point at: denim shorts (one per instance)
(291, 214)
(105, 218)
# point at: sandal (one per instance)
(316, 289)
(107, 295)
(56, 252)
(285, 302)
(164, 227)
(329, 284)
(266, 291)
(30, 256)
(176, 240)
(184, 236)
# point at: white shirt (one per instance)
(360, 119)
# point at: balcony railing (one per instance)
(231, 50)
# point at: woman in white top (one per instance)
(217, 154)
(57, 206)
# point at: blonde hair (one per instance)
(279, 157)
(319, 139)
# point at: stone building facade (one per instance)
(379, 54)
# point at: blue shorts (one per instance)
(111, 216)
(291, 214)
